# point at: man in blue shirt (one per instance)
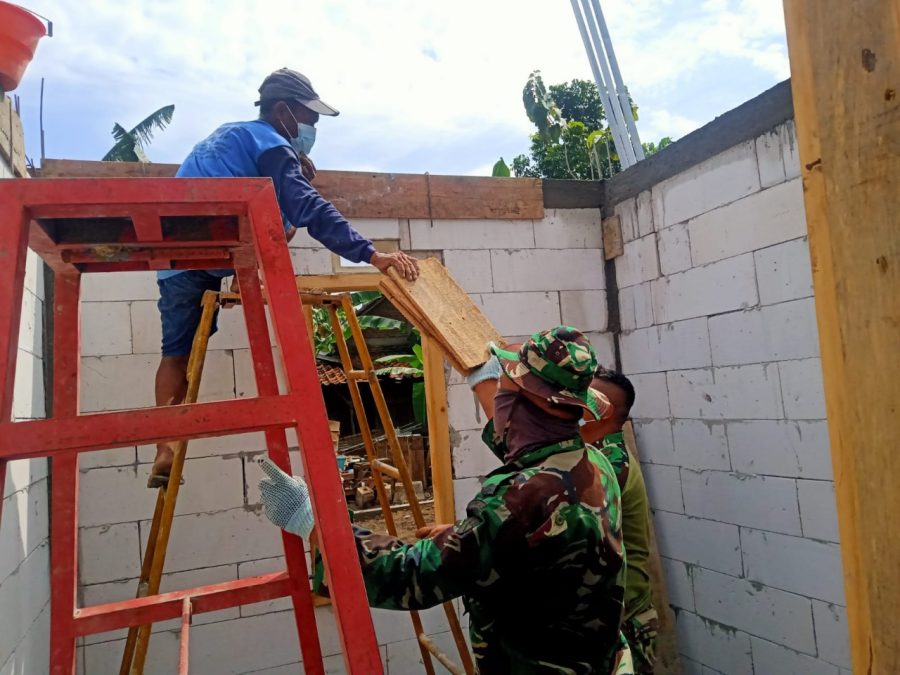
(276, 145)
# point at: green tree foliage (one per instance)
(129, 145)
(500, 170)
(573, 139)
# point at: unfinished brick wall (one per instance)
(24, 546)
(527, 275)
(720, 340)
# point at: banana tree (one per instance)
(399, 366)
(129, 145)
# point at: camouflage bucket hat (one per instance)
(558, 366)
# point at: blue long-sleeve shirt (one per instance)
(249, 149)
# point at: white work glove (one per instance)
(488, 371)
(285, 500)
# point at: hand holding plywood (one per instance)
(440, 306)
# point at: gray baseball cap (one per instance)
(289, 85)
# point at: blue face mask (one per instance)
(303, 142)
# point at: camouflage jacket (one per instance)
(539, 562)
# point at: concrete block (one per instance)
(651, 396)
(739, 392)
(32, 653)
(679, 586)
(663, 487)
(105, 657)
(639, 262)
(471, 234)
(802, 389)
(106, 458)
(769, 613)
(405, 657)
(763, 334)
(146, 329)
(31, 324)
(604, 347)
(832, 633)
(784, 272)
(674, 346)
(719, 180)
(119, 286)
(700, 445)
(627, 212)
(769, 158)
(646, 221)
(521, 313)
(244, 377)
(114, 495)
(794, 564)
(463, 409)
(105, 328)
(231, 330)
(674, 249)
(698, 541)
(208, 539)
(723, 286)
(395, 626)
(471, 457)
(108, 552)
(254, 568)
(23, 595)
(635, 307)
(763, 219)
(377, 228)
(774, 659)
(245, 644)
(760, 502)
(28, 387)
(21, 473)
(215, 447)
(818, 510)
(464, 490)
(34, 274)
(654, 442)
(722, 647)
(780, 448)
(569, 228)
(24, 526)
(312, 260)
(547, 269)
(471, 269)
(790, 150)
(585, 310)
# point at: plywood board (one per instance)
(452, 317)
(359, 194)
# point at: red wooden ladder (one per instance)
(81, 226)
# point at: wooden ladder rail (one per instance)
(399, 471)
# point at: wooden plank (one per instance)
(613, 244)
(451, 316)
(845, 63)
(359, 194)
(667, 660)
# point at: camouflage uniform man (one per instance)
(539, 560)
(640, 621)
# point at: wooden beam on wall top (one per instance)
(359, 194)
(845, 66)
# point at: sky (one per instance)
(421, 85)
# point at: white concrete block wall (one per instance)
(24, 534)
(526, 275)
(719, 337)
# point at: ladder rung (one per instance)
(357, 375)
(385, 468)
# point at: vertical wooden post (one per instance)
(845, 67)
(438, 431)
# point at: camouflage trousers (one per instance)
(640, 631)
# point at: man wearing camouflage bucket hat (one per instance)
(538, 560)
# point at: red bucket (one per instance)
(20, 31)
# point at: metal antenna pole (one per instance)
(619, 83)
(618, 137)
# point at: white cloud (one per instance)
(415, 81)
